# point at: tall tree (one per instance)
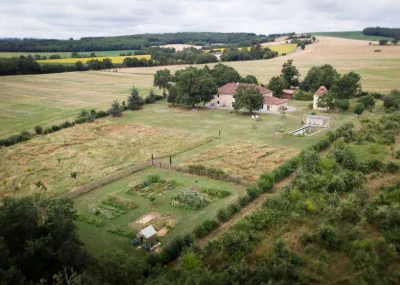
(162, 79)
(248, 97)
(224, 74)
(327, 100)
(38, 240)
(277, 84)
(135, 102)
(172, 94)
(186, 93)
(290, 73)
(318, 76)
(206, 88)
(249, 79)
(347, 85)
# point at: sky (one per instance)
(63, 19)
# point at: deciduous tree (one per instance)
(290, 73)
(248, 97)
(162, 79)
(359, 109)
(277, 84)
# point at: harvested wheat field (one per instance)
(48, 99)
(92, 150)
(243, 158)
(379, 70)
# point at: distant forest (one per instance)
(132, 42)
(383, 32)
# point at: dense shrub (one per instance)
(175, 247)
(205, 228)
(328, 235)
(253, 192)
(223, 215)
(38, 130)
(244, 200)
(80, 120)
(266, 182)
(302, 96)
(101, 114)
(392, 167)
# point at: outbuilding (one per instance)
(147, 236)
(287, 94)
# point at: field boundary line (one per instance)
(78, 191)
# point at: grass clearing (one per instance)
(92, 150)
(159, 213)
(243, 158)
(352, 35)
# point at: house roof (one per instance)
(288, 91)
(148, 232)
(230, 88)
(270, 100)
(321, 90)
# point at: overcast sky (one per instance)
(63, 19)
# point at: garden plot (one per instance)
(112, 207)
(161, 222)
(243, 158)
(151, 186)
(93, 150)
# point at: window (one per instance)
(218, 102)
(217, 95)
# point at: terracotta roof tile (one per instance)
(321, 91)
(270, 100)
(288, 91)
(230, 88)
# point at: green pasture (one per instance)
(353, 35)
(98, 240)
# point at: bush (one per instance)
(205, 228)
(328, 235)
(175, 247)
(266, 182)
(397, 154)
(66, 124)
(190, 199)
(38, 130)
(253, 192)
(223, 215)
(234, 208)
(244, 200)
(80, 120)
(214, 192)
(101, 114)
(392, 167)
(301, 96)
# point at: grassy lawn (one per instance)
(98, 240)
(354, 35)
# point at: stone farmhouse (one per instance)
(225, 99)
(321, 91)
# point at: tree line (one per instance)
(130, 42)
(382, 32)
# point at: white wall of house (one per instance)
(315, 107)
(274, 108)
(223, 101)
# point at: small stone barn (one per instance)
(321, 91)
(287, 94)
(147, 236)
(320, 121)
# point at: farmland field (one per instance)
(92, 150)
(53, 98)
(181, 220)
(354, 35)
(64, 54)
(114, 59)
(287, 48)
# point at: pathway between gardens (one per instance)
(248, 209)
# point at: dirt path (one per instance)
(248, 209)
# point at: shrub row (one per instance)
(171, 251)
(25, 135)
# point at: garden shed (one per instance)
(147, 236)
